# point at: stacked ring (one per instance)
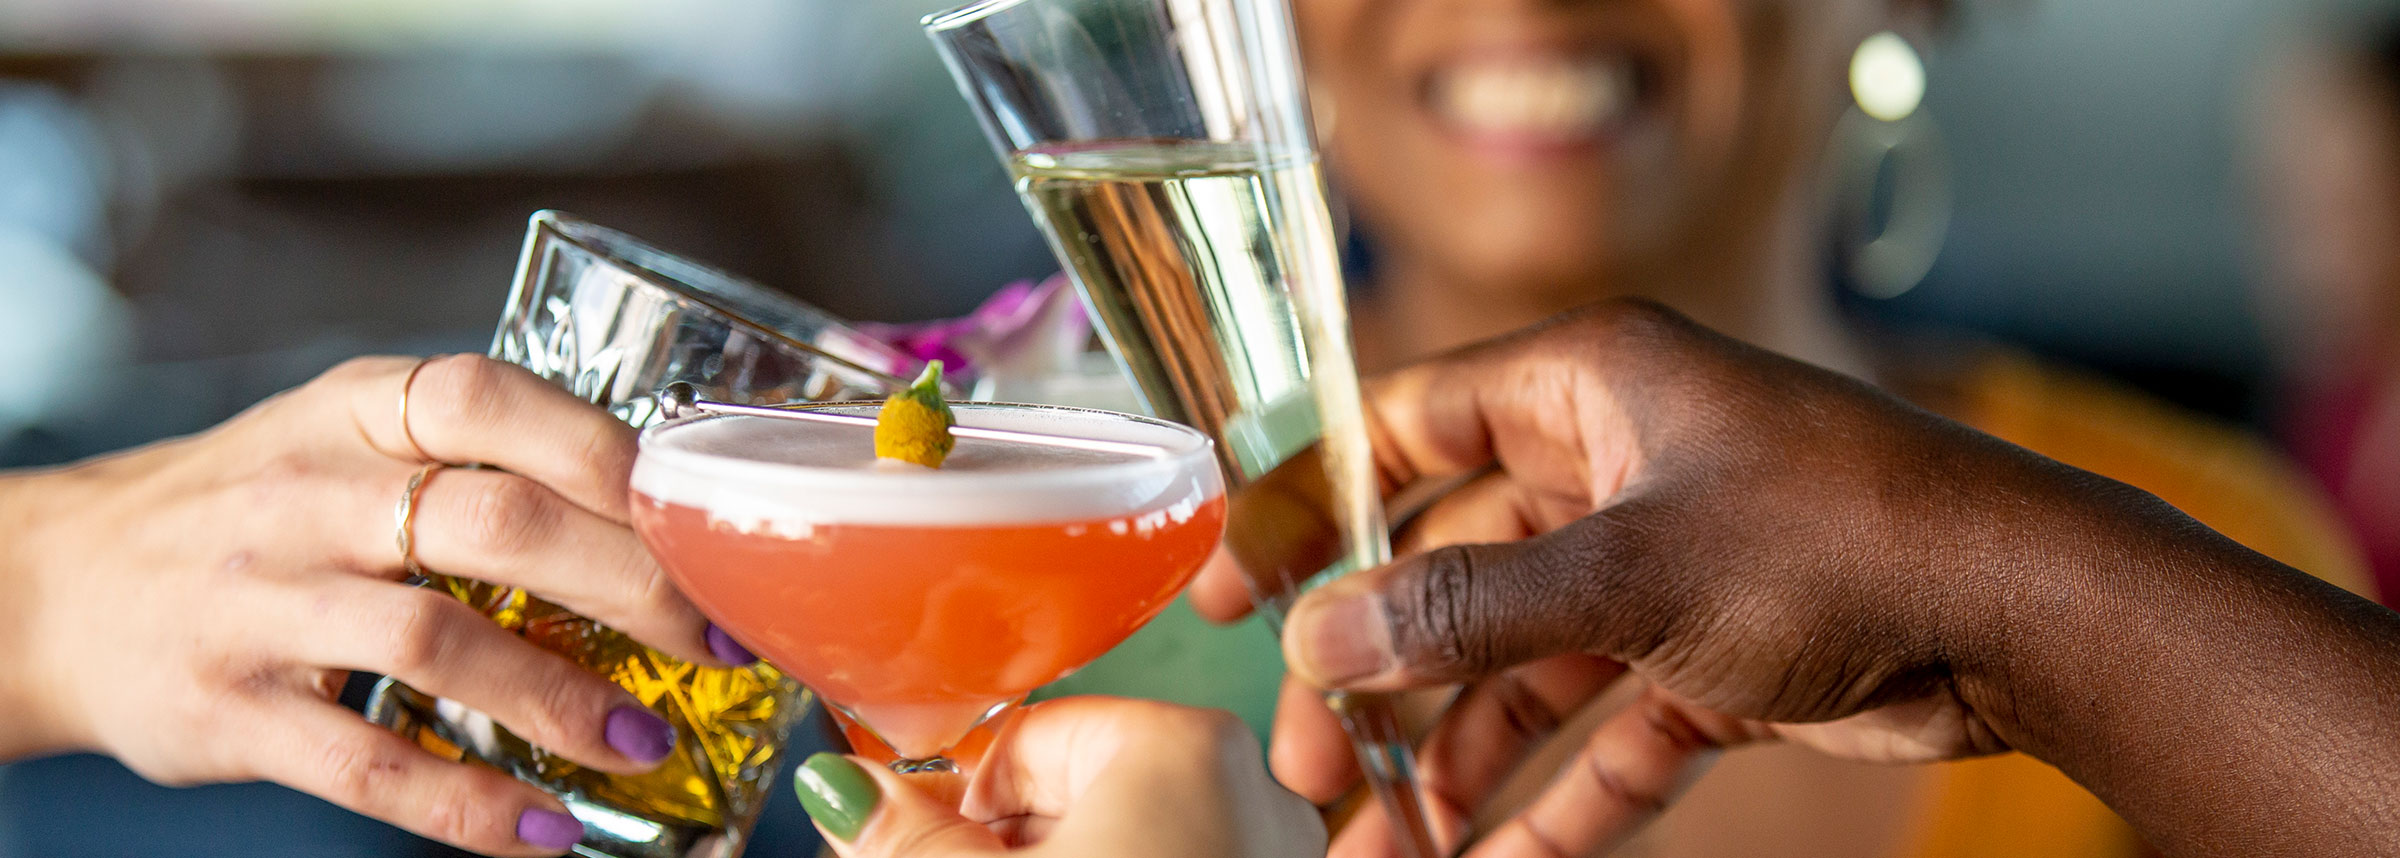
(405, 518)
(405, 433)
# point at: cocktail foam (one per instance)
(762, 474)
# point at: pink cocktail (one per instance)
(920, 603)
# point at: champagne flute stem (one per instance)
(929, 765)
(1390, 766)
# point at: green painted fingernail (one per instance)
(837, 794)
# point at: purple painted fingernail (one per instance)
(640, 735)
(548, 829)
(726, 649)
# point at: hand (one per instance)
(1076, 777)
(1778, 551)
(193, 608)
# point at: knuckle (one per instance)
(463, 814)
(1235, 752)
(446, 819)
(1631, 320)
(459, 388)
(285, 478)
(1643, 797)
(418, 635)
(647, 587)
(611, 445)
(560, 703)
(503, 513)
(1220, 727)
(1434, 624)
(236, 679)
(1209, 730)
(356, 773)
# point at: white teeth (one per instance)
(1556, 98)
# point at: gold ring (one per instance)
(405, 517)
(405, 434)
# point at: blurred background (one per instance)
(206, 201)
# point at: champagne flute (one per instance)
(1163, 146)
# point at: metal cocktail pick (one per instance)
(680, 400)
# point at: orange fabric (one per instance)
(2014, 806)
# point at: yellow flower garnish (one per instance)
(914, 425)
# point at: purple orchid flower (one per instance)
(1024, 330)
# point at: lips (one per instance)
(1535, 101)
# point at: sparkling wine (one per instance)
(1211, 266)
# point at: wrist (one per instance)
(31, 723)
(2220, 701)
(2065, 603)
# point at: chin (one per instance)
(1555, 270)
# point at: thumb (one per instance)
(1464, 611)
(867, 811)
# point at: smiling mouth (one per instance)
(1538, 102)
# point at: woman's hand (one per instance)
(1777, 551)
(1076, 777)
(194, 607)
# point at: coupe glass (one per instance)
(614, 320)
(922, 605)
(1163, 147)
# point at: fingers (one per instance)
(1123, 777)
(1083, 776)
(1466, 611)
(867, 811)
(1490, 508)
(1630, 770)
(1368, 834)
(1043, 764)
(468, 408)
(506, 529)
(1282, 528)
(1488, 732)
(441, 646)
(1478, 747)
(1221, 592)
(327, 751)
(1311, 754)
(1538, 403)
(1417, 426)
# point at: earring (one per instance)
(1887, 78)
(1891, 176)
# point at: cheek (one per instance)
(1767, 81)
(1715, 83)
(1330, 33)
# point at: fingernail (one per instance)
(548, 829)
(1340, 638)
(726, 649)
(639, 734)
(837, 794)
